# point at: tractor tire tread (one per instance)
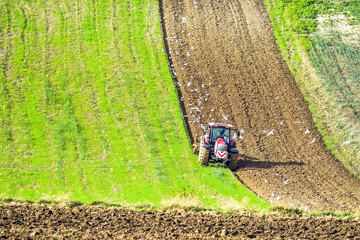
(204, 156)
(233, 161)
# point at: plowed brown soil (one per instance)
(229, 68)
(27, 221)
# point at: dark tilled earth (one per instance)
(229, 68)
(31, 221)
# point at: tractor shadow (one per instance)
(254, 163)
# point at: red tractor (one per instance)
(218, 145)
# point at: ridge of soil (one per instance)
(228, 66)
(30, 221)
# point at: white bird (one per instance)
(196, 108)
(270, 133)
(281, 123)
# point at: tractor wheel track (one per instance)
(230, 69)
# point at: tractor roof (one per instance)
(224, 125)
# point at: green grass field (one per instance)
(320, 39)
(89, 112)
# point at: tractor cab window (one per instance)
(220, 132)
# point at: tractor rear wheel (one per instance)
(233, 161)
(204, 156)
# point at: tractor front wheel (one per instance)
(204, 156)
(233, 161)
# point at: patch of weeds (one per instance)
(47, 202)
(145, 207)
(7, 200)
(332, 214)
(287, 211)
(217, 164)
(73, 204)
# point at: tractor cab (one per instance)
(218, 130)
